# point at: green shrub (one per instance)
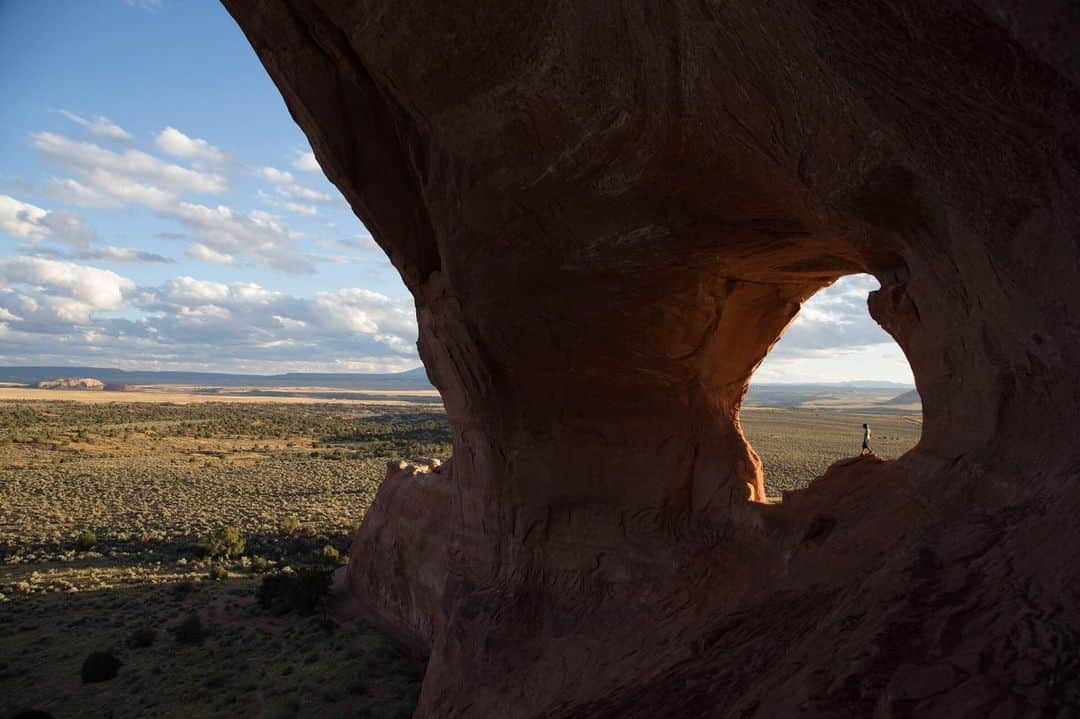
(223, 543)
(85, 540)
(302, 591)
(142, 638)
(185, 589)
(100, 667)
(190, 631)
(218, 571)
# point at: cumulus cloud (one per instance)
(51, 308)
(833, 338)
(21, 219)
(275, 175)
(127, 174)
(77, 193)
(245, 321)
(100, 126)
(286, 186)
(297, 207)
(45, 293)
(834, 320)
(199, 251)
(219, 235)
(175, 143)
(243, 309)
(221, 232)
(306, 162)
(67, 228)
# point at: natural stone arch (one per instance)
(606, 213)
(828, 379)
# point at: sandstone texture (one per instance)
(71, 383)
(607, 213)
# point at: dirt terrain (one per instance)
(150, 480)
(103, 508)
(798, 445)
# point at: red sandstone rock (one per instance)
(607, 213)
(71, 383)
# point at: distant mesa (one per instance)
(414, 379)
(71, 383)
(910, 397)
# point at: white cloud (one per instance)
(303, 193)
(352, 310)
(297, 207)
(20, 219)
(190, 291)
(106, 189)
(67, 227)
(199, 251)
(132, 168)
(173, 142)
(833, 320)
(246, 319)
(248, 326)
(76, 193)
(286, 186)
(45, 292)
(220, 235)
(224, 233)
(275, 175)
(36, 224)
(286, 322)
(833, 338)
(306, 162)
(100, 126)
(100, 289)
(110, 253)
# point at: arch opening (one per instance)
(832, 372)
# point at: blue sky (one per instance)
(160, 209)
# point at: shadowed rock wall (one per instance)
(607, 213)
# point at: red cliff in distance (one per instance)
(607, 213)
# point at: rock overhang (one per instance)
(607, 214)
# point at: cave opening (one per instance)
(832, 370)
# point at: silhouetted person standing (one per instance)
(866, 440)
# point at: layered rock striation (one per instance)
(607, 213)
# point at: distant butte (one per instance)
(607, 212)
(71, 383)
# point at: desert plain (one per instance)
(155, 526)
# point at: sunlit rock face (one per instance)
(607, 212)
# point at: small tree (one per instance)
(85, 540)
(224, 542)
